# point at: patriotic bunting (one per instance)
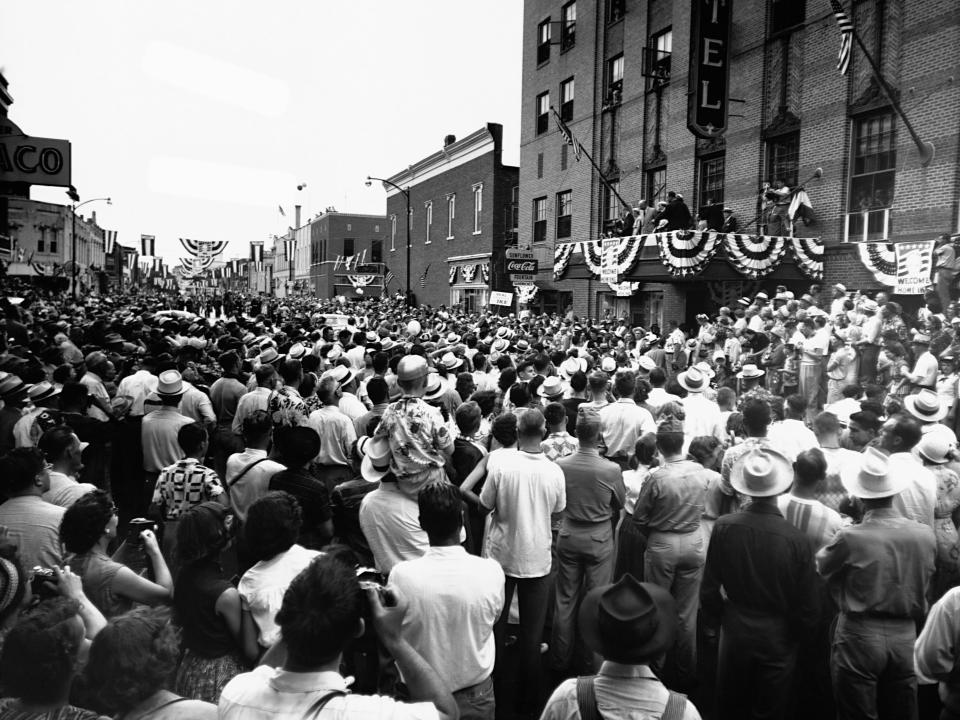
(109, 241)
(485, 273)
(755, 256)
(468, 272)
(846, 36)
(684, 252)
(526, 293)
(561, 258)
(453, 274)
(808, 253)
(148, 245)
(627, 253)
(881, 260)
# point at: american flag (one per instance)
(109, 240)
(568, 138)
(846, 36)
(388, 278)
(423, 278)
(148, 245)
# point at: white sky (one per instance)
(200, 117)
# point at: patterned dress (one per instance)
(947, 573)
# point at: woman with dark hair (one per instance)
(271, 532)
(39, 662)
(216, 642)
(86, 531)
(131, 660)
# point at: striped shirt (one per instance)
(183, 485)
(811, 517)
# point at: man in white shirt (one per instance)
(138, 385)
(702, 416)
(256, 399)
(62, 449)
(658, 396)
(523, 488)
(624, 422)
(99, 368)
(924, 373)
(790, 436)
(826, 426)
(454, 600)
(898, 437)
(249, 472)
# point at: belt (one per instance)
(873, 615)
(474, 688)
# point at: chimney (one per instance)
(449, 140)
(93, 216)
(296, 215)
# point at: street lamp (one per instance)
(72, 193)
(406, 195)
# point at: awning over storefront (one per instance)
(689, 253)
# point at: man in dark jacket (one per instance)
(676, 213)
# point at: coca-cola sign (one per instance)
(528, 267)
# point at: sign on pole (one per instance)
(504, 299)
(709, 67)
(608, 260)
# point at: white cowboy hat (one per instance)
(926, 406)
(761, 472)
(692, 380)
(871, 479)
(750, 371)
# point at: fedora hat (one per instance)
(371, 337)
(926, 406)
(388, 343)
(869, 306)
(42, 391)
(436, 387)
(571, 366)
(934, 448)
(269, 356)
(451, 361)
(704, 367)
(870, 478)
(169, 383)
(453, 338)
(693, 380)
(297, 351)
(628, 621)
(341, 373)
(551, 387)
(750, 371)
(646, 363)
(522, 345)
(500, 345)
(376, 458)
(608, 364)
(11, 385)
(761, 472)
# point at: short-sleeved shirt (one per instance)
(522, 489)
(287, 408)
(183, 485)
(268, 692)
(158, 435)
(262, 587)
(34, 525)
(417, 435)
(65, 490)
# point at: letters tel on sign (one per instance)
(709, 87)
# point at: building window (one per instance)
(566, 100)
(349, 227)
(393, 234)
(543, 113)
(786, 14)
(348, 247)
(563, 156)
(477, 207)
(513, 215)
(540, 220)
(564, 213)
(53, 246)
(539, 166)
(611, 203)
(657, 58)
(872, 177)
(568, 27)
(656, 186)
(41, 245)
(543, 42)
(428, 220)
(783, 159)
(614, 79)
(451, 214)
(615, 10)
(711, 180)
(376, 251)
(376, 228)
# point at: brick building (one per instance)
(463, 213)
(619, 73)
(334, 234)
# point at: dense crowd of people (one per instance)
(251, 508)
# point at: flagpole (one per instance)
(603, 177)
(925, 149)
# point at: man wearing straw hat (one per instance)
(878, 573)
(760, 588)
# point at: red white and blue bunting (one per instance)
(881, 260)
(686, 252)
(561, 258)
(485, 273)
(808, 253)
(468, 272)
(360, 281)
(622, 288)
(453, 274)
(755, 256)
(526, 293)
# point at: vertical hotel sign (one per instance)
(709, 67)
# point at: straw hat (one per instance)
(926, 406)
(692, 380)
(761, 472)
(750, 371)
(870, 479)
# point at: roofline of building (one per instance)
(449, 157)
